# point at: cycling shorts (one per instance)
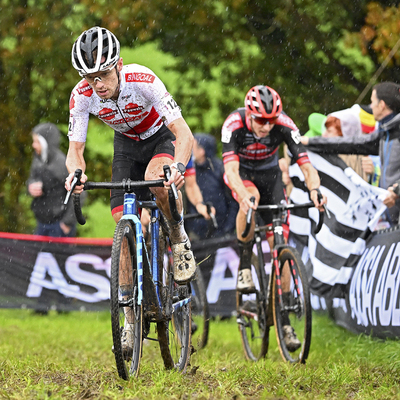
(270, 186)
(131, 159)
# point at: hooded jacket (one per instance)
(49, 168)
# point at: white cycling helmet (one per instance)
(96, 49)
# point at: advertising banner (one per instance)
(63, 273)
(372, 301)
(73, 274)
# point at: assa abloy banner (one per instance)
(372, 302)
(73, 274)
(62, 273)
(218, 260)
(45, 273)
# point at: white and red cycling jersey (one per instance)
(142, 107)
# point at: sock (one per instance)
(176, 232)
(245, 252)
(284, 314)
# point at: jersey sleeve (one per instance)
(292, 138)
(157, 94)
(190, 168)
(296, 148)
(228, 137)
(78, 112)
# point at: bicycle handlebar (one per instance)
(249, 215)
(77, 202)
(127, 186)
(78, 210)
(276, 208)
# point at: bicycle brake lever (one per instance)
(328, 214)
(320, 198)
(167, 173)
(212, 215)
(76, 181)
(250, 213)
(248, 219)
(172, 195)
(214, 220)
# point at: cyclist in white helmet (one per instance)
(149, 130)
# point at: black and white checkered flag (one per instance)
(355, 207)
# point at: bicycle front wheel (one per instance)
(126, 313)
(200, 311)
(252, 312)
(295, 305)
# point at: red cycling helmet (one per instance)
(263, 101)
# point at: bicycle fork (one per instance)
(279, 241)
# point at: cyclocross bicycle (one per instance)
(143, 291)
(263, 307)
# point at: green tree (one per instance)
(318, 55)
(296, 46)
(36, 80)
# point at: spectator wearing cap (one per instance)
(209, 176)
(46, 184)
(384, 141)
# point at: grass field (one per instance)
(69, 356)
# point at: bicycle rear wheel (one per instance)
(200, 311)
(174, 335)
(126, 313)
(298, 306)
(252, 312)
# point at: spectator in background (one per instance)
(193, 193)
(385, 104)
(46, 184)
(209, 176)
(348, 123)
(393, 195)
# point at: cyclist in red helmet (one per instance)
(251, 137)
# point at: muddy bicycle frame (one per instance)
(269, 296)
(149, 271)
